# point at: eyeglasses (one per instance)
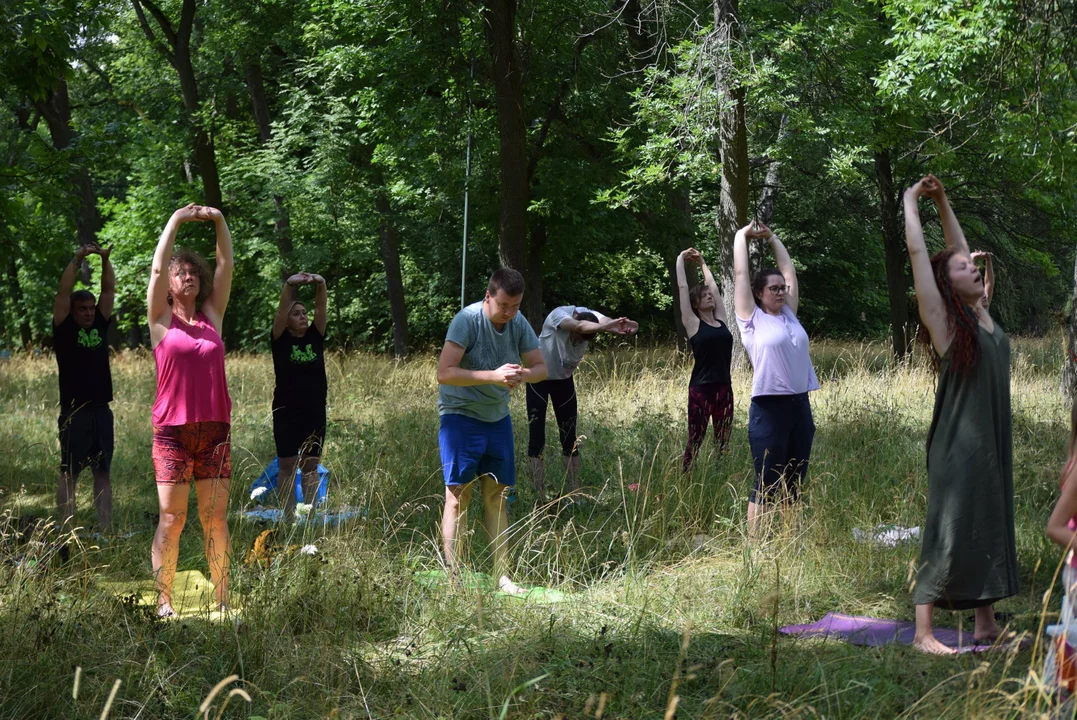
(778, 288)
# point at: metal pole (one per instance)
(467, 179)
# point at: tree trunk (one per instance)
(894, 245)
(499, 20)
(55, 108)
(205, 155)
(390, 257)
(681, 237)
(178, 53)
(772, 183)
(733, 146)
(1069, 367)
(15, 292)
(282, 226)
(533, 309)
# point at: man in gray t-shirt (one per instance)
(489, 350)
(563, 341)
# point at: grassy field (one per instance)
(669, 607)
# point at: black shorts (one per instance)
(86, 439)
(299, 430)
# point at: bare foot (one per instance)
(164, 610)
(931, 645)
(988, 635)
(508, 586)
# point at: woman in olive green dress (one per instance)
(969, 554)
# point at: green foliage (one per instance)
(371, 106)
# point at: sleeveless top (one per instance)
(191, 385)
(712, 348)
(968, 556)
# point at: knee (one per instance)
(494, 494)
(172, 522)
(457, 497)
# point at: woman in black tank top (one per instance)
(710, 392)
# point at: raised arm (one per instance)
(107, 299)
(158, 311)
(785, 266)
(321, 304)
(743, 300)
(951, 228)
(217, 302)
(932, 308)
(1058, 530)
(688, 318)
(287, 295)
(719, 302)
(61, 306)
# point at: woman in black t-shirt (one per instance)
(299, 397)
(710, 391)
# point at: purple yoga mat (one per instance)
(876, 631)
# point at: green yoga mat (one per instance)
(482, 581)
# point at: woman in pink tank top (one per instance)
(193, 412)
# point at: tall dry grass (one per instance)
(669, 605)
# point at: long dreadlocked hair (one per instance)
(961, 321)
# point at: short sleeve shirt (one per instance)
(561, 355)
(485, 348)
(299, 367)
(777, 345)
(82, 359)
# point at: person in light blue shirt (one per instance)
(489, 350)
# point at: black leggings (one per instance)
(563, 394)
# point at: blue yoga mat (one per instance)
(268, 480)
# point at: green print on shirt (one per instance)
(303, 356)
(91, 339)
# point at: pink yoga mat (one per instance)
(876, 631)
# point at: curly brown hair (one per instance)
(189, 258)
(962, 322)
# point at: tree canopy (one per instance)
(594, 140)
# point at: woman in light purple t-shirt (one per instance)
(780, 425)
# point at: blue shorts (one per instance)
(471, 448)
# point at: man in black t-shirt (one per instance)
(300, 394)
(80, 327)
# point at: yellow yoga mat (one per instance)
(192, 594)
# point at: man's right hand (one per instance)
(508, 375)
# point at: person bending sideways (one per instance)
(80, 327)
(193, 412)
(1062, 530)
(988, 276)
(300, 394)
(968, 557)
(489, 350)
(710, 390)
(563, 341)
(781, 428)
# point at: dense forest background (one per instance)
(592, 140)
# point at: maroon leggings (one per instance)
(712, 402)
